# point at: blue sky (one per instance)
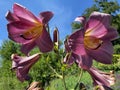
(64, 12)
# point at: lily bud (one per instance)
(56, 39)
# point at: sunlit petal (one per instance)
(22, 12)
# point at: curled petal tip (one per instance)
(15, 5)
(80, 19)
(46, 16)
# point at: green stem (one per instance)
(64, 80)
(63, 75)
(58, 75)
(80, 76)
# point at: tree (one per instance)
(105, 6)
(8, 48)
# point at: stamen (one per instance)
(92, 42)
(33, 32)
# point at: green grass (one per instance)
(12, 83)
(71, 81)
(8, 83)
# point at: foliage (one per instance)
(41, 72)
(76, 26)
(8, 48)
(114, 66)
(105, 6)
(117, 49)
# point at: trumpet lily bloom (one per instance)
(22, 65)
(27, 29)
(102, 79)
(92, 41)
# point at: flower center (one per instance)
(92, 42)
(34, 32)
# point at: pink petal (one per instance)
(22, 12)
(112, 34)
(85, 61)
(30, 59)
(98, 17)
(103, 54)
(46, 16)
(11, 17)
(98, 77)
(44, 42)
(97, 24)
(75, 42)
(16, 29)
(97, 31)
(26, 48)
(22, 74)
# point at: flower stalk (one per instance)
(64, 83)
(80, 76)
(57, 74)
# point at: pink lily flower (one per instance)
(27, 29)
(92, 41)
(22, 65)
(102, 79)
